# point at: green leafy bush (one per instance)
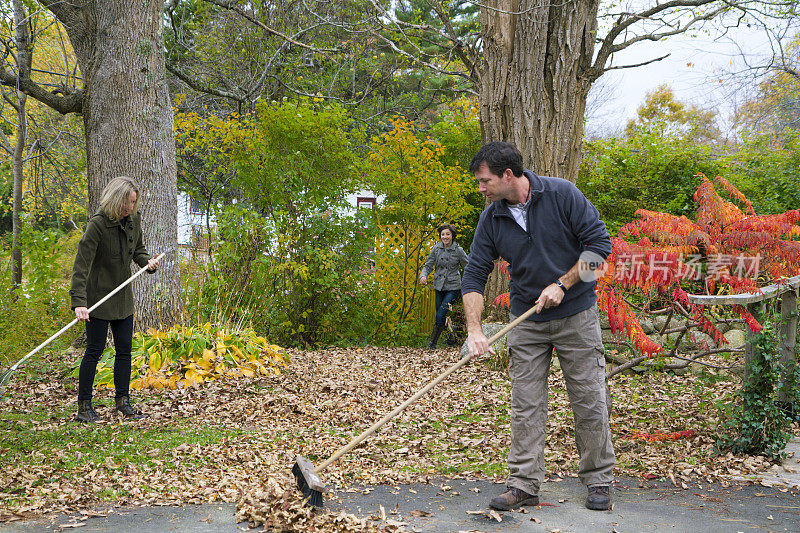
(656, 171)
(39, 307)
(767, 171)
(648, 170)
(318, 290)
(294, 262)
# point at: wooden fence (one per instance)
(753, 301)
(400, 252)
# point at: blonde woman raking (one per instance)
(113, 238)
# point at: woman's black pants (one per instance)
(96, 333)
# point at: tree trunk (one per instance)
(532, 83)
(19, 152)
(22, 43)
(128, 122)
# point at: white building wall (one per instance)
(189, 217)
(367, 197)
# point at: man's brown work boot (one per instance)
(513, 498)
(599, 498)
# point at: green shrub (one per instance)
(646, 171)
(294, 261)
(767, 171)
(40, 307)
(310, 292)
(658, 172)
(757, 425)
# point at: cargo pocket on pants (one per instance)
(601, 362)
(600, 353)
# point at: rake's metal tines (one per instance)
(5, 377)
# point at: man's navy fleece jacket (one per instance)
(562, 223)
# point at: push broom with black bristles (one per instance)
(308, 480)
(5, 377)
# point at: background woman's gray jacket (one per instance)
(446, 260)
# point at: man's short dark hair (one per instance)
(498, 156)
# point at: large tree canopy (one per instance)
(540, 59)
(531, 63)
(128, 122)
(337, 50)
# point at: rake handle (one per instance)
(75, 320)
(380, 423)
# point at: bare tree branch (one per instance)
(523, 12)
(5, 144)
(643, 63)
(232, 6)
(387, 19)
(68, 12)
(416, 60)
(203, 88)
(69, 103)
(466, 53)
(626, 20)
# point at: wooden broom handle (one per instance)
(377, 425)
(75, 321)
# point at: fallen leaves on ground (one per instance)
(279, 509)
(487, 513)
(323, 400)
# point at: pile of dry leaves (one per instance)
(324, 399)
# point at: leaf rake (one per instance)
(308, 480)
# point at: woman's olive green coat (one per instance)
(103, 262)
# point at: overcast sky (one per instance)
(693, 70)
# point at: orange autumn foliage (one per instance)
(727, 250)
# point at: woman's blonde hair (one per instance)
(116, 194)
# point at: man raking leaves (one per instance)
(546, 233)
(553, 238)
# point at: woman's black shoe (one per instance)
(124, 406)
(86, 412)
(437, 330)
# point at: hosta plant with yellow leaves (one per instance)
(187, 355)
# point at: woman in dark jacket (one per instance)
(446, 257)
(113, 239)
